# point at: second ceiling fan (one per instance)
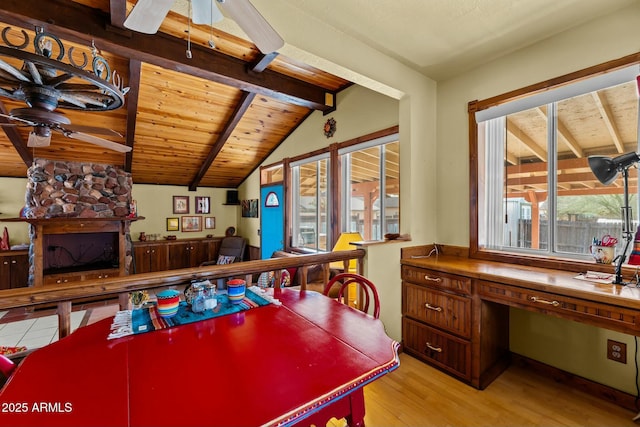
(147, 16)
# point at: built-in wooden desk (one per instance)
(455, 309)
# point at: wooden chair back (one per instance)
(367, 293)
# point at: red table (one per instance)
(304, 361)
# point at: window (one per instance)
(310, 203)
(357, 181)
(535, 191)
(371, 187)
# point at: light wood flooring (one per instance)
(418, 395)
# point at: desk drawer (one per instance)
(450, 353)
(439, 309)
(437, 279)
(591, 312)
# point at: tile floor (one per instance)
(36, 332)
(37, 328)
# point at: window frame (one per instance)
(335, 185)
(523, 258)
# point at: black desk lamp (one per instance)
(606, 170)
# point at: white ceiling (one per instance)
(443, 38)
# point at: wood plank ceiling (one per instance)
(207, 121)
(604, 122)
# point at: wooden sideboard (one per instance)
(159, 255)
(455, 310)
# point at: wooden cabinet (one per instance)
(190, 253)
(14, 269)
(437, 319)
(150, 257)
(174, 254)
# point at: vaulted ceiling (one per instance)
(205, 121)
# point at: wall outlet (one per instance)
(617, 351)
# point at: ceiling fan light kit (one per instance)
(45, 83)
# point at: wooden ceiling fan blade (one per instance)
(205, 12)
(13, 71)
(33, 70)
(98, 141)
(18, 119)
(147, 15)
(92, 129)
(253, 24)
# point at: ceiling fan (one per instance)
(45, 84)
(147, 16)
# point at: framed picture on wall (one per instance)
(173, 224)
(191, 223)
(250, 208)
(180, 204)
(202, 205)
(210, 222)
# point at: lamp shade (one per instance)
(606, 169)
(344, 244)
(602, 167)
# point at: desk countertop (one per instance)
(559, 282)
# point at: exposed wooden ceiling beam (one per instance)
(609, 121)
(564, 135)
(562, 179)
(15, 138)
(77, 22)
(118, 12)
(575, 192)
(542, 166)
(241, 108)
(132, 108)
(529, 143)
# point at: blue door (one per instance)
(272, 220)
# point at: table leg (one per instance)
(350, 407)
(356, 402)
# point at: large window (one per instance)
(353, 186)
(371, 187)
(535, 191)
(310, 203)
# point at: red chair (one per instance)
(366, 290)
(6, 366)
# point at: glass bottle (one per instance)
(197, 305)
(210, 293)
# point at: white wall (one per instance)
(574, 347)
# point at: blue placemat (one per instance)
(147, 319)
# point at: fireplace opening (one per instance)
(71, 252)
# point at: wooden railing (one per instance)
(65, 295)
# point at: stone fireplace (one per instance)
(60, 198)
(72, 189)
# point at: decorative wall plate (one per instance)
(330, 128)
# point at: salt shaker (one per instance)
(211, 301)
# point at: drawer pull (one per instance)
(544, 301)
(433, 307)
(430, 347)
(432, 279)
